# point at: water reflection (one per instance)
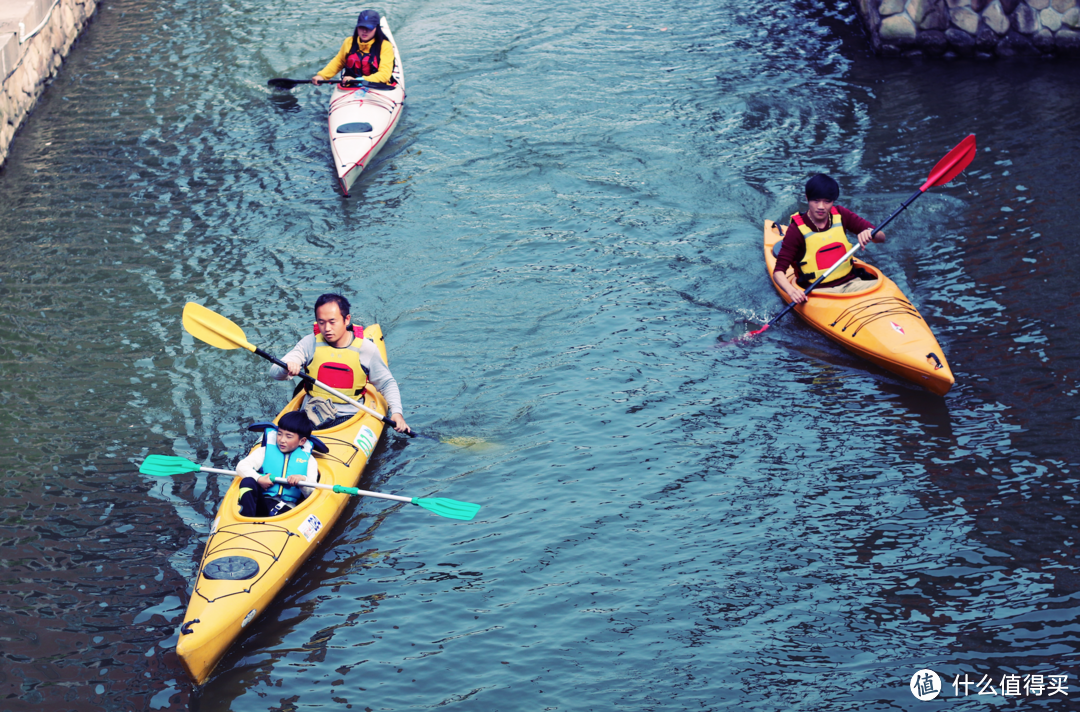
(285, 103)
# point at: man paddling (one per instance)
(336, 357)
(816, 240)
(367, 55)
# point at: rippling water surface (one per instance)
(565, 225)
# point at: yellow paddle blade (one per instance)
(214, 329)
(469, 442)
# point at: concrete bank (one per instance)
(986, 28)
(35, 36)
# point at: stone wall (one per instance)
(29, 59)
(983, 28)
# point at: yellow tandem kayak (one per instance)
(879, 324)
(247, 561)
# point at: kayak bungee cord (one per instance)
(248, 534)
(857, 315)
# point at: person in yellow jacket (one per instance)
(367, 55)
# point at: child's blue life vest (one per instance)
(277, 464)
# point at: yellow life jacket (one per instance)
(824, 249)
(338, 368)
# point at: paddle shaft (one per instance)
(845, 258)
(286, 83)
(315, 485)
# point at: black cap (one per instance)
(368, 19)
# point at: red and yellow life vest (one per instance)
(360, 63)
(338, 368)
(824, 249)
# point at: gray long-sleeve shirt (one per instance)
(370, 359)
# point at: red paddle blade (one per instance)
(759, 331)
(949, 167)
(742, 339)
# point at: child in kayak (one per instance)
(285, 453)
(816, 240)
(367, 55)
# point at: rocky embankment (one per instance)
(984, 28)
(35, 36)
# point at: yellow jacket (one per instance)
(386, 61)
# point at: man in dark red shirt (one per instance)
(816, 240)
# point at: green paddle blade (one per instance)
(450, 508)
(166, 465)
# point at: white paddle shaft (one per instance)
(315, 485)
(349, 400)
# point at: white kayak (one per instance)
(362, 119)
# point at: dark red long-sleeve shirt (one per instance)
(793, 249)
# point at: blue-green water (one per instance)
(565, 224)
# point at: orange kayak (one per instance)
(879, 324)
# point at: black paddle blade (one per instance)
(283, 83)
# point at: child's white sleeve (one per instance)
(311, 476)
(250, 465)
